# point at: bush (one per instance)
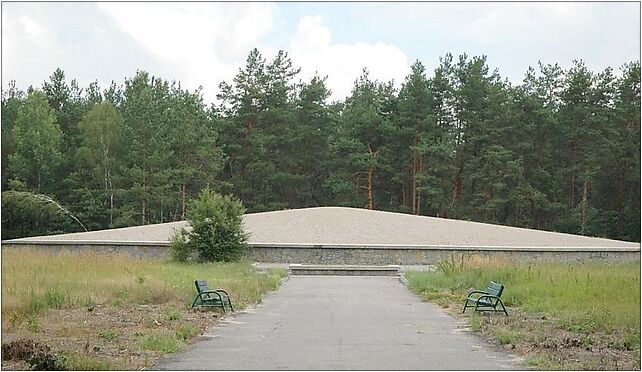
(182, 250)
(217, 231)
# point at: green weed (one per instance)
(108, 335)
(173, 314)
(71, 361)
(185, 332)
(475, 322)
(32, 324)
(506, 336)
(162, 341)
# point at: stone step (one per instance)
(347, 270)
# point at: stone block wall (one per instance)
(359, 255)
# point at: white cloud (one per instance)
(32, 29)
(312, 48)
(204, 43)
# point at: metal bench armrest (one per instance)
(477, 292)
(199, 296)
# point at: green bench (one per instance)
(487, 300)
(206, 297)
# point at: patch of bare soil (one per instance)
(101, 337)
(544, 343)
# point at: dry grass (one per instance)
(579, 315)
(132, 309)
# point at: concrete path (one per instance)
(340, 323)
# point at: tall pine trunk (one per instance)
(144, 201)
(419, 170)
(414, 182)
(457, 192)
(403, 192)
(183, 201)
(370, 198)
(620, 204)
(584, 205)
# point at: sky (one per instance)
(203, 44)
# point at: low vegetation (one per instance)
(566, 316)
(216, 230)
(113, 311)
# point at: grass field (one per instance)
(567, 316)
(114, 311)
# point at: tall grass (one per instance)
(600, 296)
(34, 280)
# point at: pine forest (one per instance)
(559, 151)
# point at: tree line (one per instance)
(559, 152)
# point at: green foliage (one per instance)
(26, 213)
(186, 332)
(74, 361)
(32, 324)
(108, 334)
(560, 151)
(182, 249)
(37, 139)
(162, 341)
(173, 314)
(216, 229)
(452, 265)
(506, 336)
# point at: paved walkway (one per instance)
(340, 323)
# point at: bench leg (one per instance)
(503, 307)
(195, 299)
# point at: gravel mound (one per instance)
(353, 226)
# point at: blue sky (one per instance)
(205, 43)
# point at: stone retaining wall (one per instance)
(357, 255)
(143, 249)
(424, 256)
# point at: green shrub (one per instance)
(182, 250)
(217, 231)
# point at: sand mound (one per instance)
(352, 226)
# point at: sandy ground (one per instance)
(336, 225)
